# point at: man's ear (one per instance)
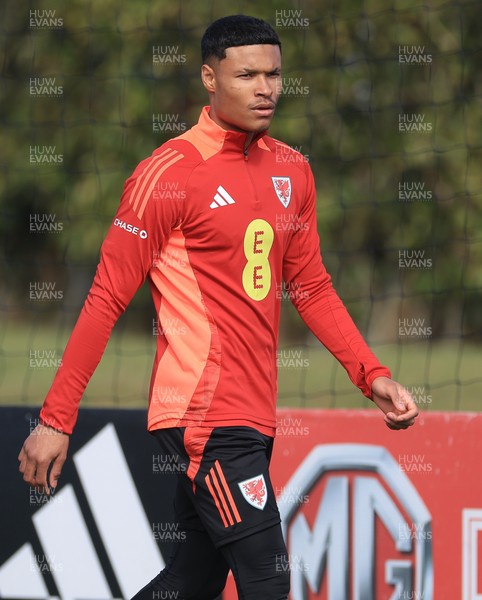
(208, 78)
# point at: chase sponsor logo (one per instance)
(142, 233)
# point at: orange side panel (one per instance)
(195, 440)
(188, 333)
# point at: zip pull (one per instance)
(245, 152)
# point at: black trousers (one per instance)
(198, 570)
(225, 530)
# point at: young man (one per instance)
(215, 261)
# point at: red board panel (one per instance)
(369, 512)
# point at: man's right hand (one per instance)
(45, 446)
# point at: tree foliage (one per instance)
(343, 56)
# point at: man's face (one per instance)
(244, 87)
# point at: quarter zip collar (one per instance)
(213, 135)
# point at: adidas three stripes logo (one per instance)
(222, 198)
(221, 494)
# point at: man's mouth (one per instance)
(264, 109)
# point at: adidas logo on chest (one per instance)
(222, 198)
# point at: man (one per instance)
(215, 261)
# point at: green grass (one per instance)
(440, 375)
(444, 375)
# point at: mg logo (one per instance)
(365, 529)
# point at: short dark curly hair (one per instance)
(235, 30)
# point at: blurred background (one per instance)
(382, 97)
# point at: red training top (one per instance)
(215, 229)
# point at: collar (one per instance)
(214, 136)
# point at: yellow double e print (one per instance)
(258, 241)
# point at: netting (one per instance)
(382, 98)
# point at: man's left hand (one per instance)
(395, 402)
